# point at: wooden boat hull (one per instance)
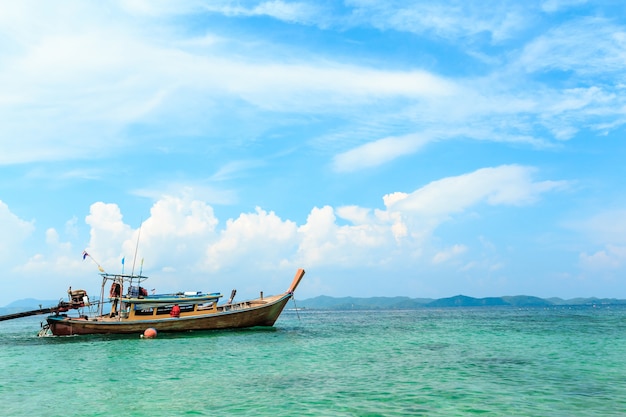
(257, 314)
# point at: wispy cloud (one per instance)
(503, 185)
(451, 20)
(606, 226)
(449, 253)
(99, 78)
(378, 152)
(236, 169)
(552, 6)
(588, 46)
(298, 12)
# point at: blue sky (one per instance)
(413, 148)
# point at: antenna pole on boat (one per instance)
(136, 249)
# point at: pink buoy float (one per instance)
(150, 333)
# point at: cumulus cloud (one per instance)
(14, 232)
(354, 214)
(183, 231)
(172, 241)
(325, 242)
(182, 242)
(610, 258)
(262, 238)
(606, 232)
(107, 231)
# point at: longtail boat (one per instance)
(133, 310)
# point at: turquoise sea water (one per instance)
(430, 362)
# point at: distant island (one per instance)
(405, 303)
(324, 302)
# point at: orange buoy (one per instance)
(150, 333)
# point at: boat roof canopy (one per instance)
(124, 277)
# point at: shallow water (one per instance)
(430, 362)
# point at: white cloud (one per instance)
(605, 232)
(14, 232)
(87, 80)
(319, 236)
(183, 232)
(235, 169)
(452, 20)
(160, 7)
(172, 241)
(393, 198)
(98, 79)
(419, 213)
(175, 236)
(108, 233)
(588, 46)
(354, 214)
(191, 189)
(551, 6)
(610, 258)
(366, 242)
(325, 87)
(300, 12)
(182, 243)
(378, 152)
(449, 253)
(101, 76)
(506, 184)
(604, 227)
(263, 239)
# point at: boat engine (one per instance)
(78, 298)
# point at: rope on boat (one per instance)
(295, 307)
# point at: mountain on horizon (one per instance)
(324, 302)
(26, 304)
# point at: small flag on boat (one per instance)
(123, 261)
(85, 255)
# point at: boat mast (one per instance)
(136, 249)
(102, 296)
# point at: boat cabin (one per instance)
(160, 306)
